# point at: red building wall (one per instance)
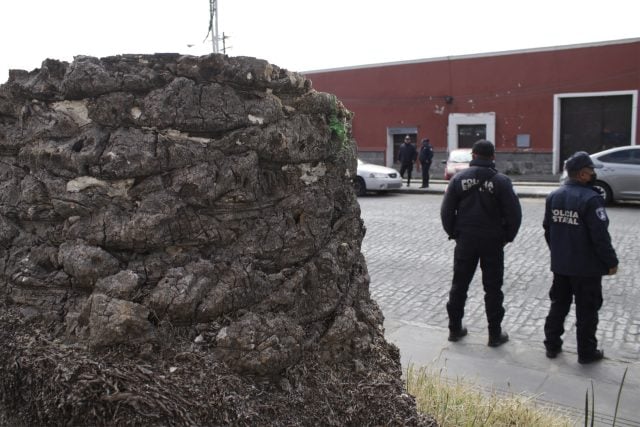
(518, 86)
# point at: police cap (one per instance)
(579, 160)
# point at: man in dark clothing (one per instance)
(407, 156)
(576, 230)
(425, 157)
(481, 211)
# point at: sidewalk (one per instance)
(522, 368)
(528, 187)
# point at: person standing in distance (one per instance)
(407, 156)
(481, 211)
(425, 157)
(576, 230)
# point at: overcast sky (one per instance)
(303, 35)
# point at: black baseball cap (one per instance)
(579, 160)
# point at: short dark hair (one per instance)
(573, 173)
(483, 148)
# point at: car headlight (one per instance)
(377, 175)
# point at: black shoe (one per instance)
(424, 186)
(593, 357)
(498, 340)
(456, 335)
(552, 353)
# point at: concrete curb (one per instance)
(523, 188)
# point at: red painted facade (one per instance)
(519, 87)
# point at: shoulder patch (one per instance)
(602, 214)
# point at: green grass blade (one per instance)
(586, 409)
(615, 414)
(593, 405)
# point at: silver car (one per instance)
(618, 173)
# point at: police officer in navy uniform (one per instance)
(576, 229)
(481, 211)
(425, 157)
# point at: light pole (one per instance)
(213, 24)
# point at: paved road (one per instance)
(410, 264)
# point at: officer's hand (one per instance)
(613, 270)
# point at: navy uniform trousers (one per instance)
(425, 173)
(588, 297)
(467, 253)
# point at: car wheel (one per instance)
(604, 190)
(359, 186)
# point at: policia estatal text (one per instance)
(576, 229)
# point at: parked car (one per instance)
(375, 178)
(458, 159)
(618, 172)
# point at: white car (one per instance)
(375, 178)
(618, 171)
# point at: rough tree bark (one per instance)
(180, 245)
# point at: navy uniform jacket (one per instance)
(480, 202)
(426, 154)
(576, 229)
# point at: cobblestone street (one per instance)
(410, 264)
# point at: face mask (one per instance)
(592, 178)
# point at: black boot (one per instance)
(498, 340)
(552, 353)
(592, 357)
(456, 335)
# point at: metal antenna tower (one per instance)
(213, 24)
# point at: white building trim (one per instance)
(389, 160)
(456, 119)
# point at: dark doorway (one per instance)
(468, 134)
(594, 123)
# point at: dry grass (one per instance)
(460, 403)
(45, 381)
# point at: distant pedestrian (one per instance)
(576, 230)
(481, 211)
(425, 157)
(407, 156)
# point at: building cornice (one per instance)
(477, 55)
